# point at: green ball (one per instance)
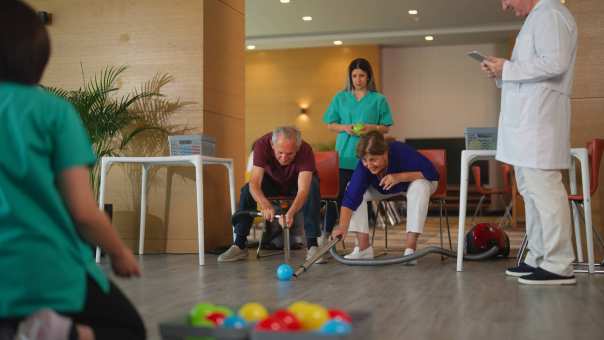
(224, 310)
(197, 315)
(357, 128)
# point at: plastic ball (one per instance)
(335, 326)
(339, 315)
(252, 312)
(234, 322)
(357, 128)
(284, 272)
(198, 313)
(216, 318)
(288, 318)
(224, 310)
(315, 318)
(271, 324)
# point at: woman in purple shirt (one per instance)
(386, 170)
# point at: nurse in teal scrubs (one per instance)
(357, 109)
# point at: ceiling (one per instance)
(271, 24)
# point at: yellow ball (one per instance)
(316, 316)
(252, 312)
(298, 306)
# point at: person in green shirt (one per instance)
(50, 286)
(354, 111)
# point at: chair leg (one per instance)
(478, 207)
(522, 250)
(440, 226)
(577, 226)
(260, 241)
(448, 225)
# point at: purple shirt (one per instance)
(401, 158)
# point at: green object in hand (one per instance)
(358, 128)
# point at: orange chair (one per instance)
(438, 157)
(506, 170)
(327, 163)
(595, 149)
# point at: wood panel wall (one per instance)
(588, 92)
(200, 43)
(278, 82)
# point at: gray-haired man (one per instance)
(284, 165)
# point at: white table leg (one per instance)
(463, 197)
(103, 173)
(143, 217)
(572, 174)
(232, 190)
(584, 161)
(200, 216)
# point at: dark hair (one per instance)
(24, 43)
(372, 143)
(364, 65)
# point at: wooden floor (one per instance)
(427, 301)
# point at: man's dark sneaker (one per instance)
(543, 277)
(522, 270)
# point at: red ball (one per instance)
(216, 318)
(339, 315)
(271, 324)
(288, 318)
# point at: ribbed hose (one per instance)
(420, 253)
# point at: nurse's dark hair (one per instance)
(372, 143)
(24, 43)
(364, 65)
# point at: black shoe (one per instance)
(522, 270)
(543, 277)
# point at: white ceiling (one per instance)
(270, 24)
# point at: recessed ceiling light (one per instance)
(413, 12)
(284, 1)
(251, 47)
(429, 38)
(337, 42)
(307, 18)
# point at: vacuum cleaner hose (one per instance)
(419, 253)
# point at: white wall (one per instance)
(438, 91)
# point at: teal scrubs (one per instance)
(43, 260)
(346, 109)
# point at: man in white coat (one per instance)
(534, 132)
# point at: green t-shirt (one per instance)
(346, 109)
(43, 260)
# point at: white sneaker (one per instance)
(312, 251)
(358, 254)
(410, 251)
(45, 324)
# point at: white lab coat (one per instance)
(534, 124)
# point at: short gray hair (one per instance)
(287, 132)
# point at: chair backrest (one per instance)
(595, 147)
(327, 164)
(438, 157)
(506, 171)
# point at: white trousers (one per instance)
(548, 226)
(418, 200)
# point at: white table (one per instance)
(469, 156)
(147, 162)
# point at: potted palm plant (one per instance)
(114, 122)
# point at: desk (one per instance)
(469, 156)
(147, 162)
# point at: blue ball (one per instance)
(335, 326)
(284, 272)
(235, 322)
